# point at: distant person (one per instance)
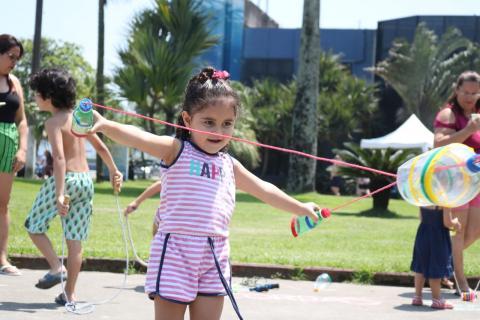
(362, 186)
(432, 254)
(131, 170)
(189, 256)
(153, 189)
(48, 168)
(13, 137)
(55, 92)
(336, 180)
(458, 121)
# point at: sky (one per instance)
(68, 21)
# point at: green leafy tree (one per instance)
(247, 154)
(347, 108)
(344, 102)
(387, 160)
(422, 72)
(270, 104)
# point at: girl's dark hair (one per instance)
(202, 89)
(55, 84)
(8, 42)
(466, 76)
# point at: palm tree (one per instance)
(245, 128)
(301, 171)
(158, 62)
(31, 149)
(387, 160)
(100, 81)
(345, 102)
(270, 104)
(422, 72)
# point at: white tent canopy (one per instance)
(411, 134)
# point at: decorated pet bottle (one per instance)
(300, 225)
(446, 176)
(82, 118)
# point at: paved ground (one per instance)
(19, 299)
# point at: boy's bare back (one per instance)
(73, 147)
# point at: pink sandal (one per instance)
(417, 301)
(441, 304)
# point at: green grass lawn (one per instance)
(353, 238)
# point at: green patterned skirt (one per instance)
(8, 146)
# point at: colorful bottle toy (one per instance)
(445, 176)
(82, 118)
(300, 225)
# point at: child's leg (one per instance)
(419, 284)
(435, 287)
(437, 302)
(74, 264)
(43, 244)
(5, 190)
(38, 220)
(206, 308)
(166, 310)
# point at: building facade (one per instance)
(252, 45)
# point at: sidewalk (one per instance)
(20, 300)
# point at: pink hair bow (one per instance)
(217, 74)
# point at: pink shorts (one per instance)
(474, 203)
(181, 267)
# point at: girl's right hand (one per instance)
(311, 210)
(130, 208)
(99, 123)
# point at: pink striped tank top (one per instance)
(198, 193)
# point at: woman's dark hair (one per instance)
(202, 90)
(55, 84)
(466, 76)
(8, 42)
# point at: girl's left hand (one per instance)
(19, 161)
(311, 210)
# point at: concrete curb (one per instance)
(243, 270)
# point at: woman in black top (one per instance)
(13, 137)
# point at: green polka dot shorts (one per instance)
(79, 186)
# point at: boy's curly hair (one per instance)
(57, 85)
